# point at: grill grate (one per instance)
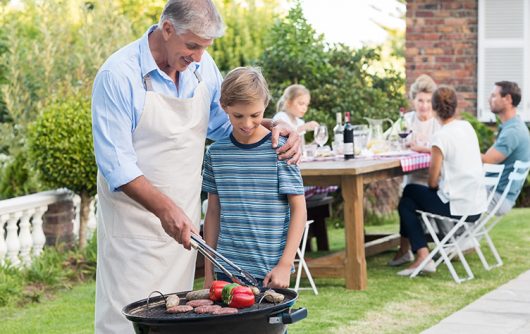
(157, 308)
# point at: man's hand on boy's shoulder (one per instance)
(291, 150)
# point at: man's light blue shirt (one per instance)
(118, 99)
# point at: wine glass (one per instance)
(321, 135)
(404, 130)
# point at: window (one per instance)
(503, 51)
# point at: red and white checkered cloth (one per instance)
(311, 191)
(415, 161)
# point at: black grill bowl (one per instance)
(264, 318)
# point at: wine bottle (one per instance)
(338, 136)
(349, 152)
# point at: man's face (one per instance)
(498, 103)
(183, 49)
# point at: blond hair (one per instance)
(244, 85)
(289, 94)
(423, 84)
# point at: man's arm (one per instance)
(173, 219)
(493, 156)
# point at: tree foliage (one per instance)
(247, 22)
(340, 79)
(51, 49)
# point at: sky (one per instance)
(352, 22)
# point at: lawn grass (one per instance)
(391, 304)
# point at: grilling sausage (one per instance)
(179, 309)
(206, 309)
(172, 300)
(225, 310)
(198, 294)
(199, 302)
(273, 297)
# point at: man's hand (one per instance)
(177, 225)
(278, 277)
(292, 149)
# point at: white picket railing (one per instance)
(21, 233)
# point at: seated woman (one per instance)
(455, 186)
(424, 125)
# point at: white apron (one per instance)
(135, 255)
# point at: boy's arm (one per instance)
(211, 233)
(280, 275)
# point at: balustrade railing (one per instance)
(21, 218)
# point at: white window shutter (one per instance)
(503, 51)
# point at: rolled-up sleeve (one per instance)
(112, 117)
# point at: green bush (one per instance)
(49, 268)
(60, 147)
(11, 285)
(486, 136)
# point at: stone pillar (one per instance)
(58, 223)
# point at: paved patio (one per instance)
(505, 310)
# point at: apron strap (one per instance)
(148, 84)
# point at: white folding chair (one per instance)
(490, 219)
(302, 264)
(457, 232)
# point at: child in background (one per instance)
(256, 208)
(292, 106)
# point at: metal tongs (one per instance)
(198, 243)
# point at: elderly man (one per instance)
(513, 139)
(154, 103)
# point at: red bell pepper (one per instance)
(238, 296)
(216, 290)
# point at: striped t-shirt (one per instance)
(252, 185)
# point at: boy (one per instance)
(256, 214)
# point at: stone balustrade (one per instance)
(21, 224)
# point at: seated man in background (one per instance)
(512, 143)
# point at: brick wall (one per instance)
(441, 41)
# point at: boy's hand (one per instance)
(292, 149)
(278, 277)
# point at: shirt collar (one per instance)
(147, 62)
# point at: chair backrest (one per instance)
(492, 176)
(519, 173)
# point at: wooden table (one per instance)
(351, 175)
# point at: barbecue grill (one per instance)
(261, 318)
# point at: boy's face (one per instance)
(245, 119)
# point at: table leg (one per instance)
(355, 266)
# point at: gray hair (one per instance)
(423, 84)
(197, 16)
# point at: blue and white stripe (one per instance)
(252, 185)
